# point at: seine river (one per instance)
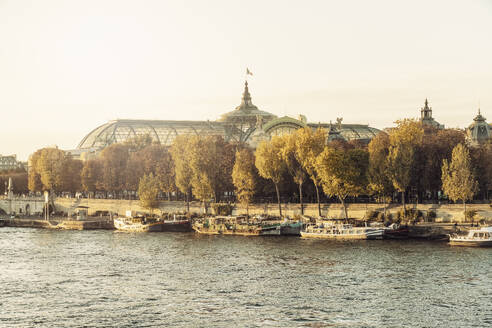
(113, 279)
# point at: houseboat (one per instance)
(475, 237)
(228, 225)
(341, 231)
(137, 224)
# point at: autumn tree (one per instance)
(184, 174)
(343, 173)
(34, 177)
(309, 145)
(378, 172)
(134, 170)
(243, 177)
(458, 180)
(91, 175)
(203, 160)
(114, 163)
(52, 166)
(436, 146)
(164, 172)
(403, 142)
(225, 158)
(71, 175)
(138, 142)
(293, 164)
(270, 163)
(482, 162)
(148, 191)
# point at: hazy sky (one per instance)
(68, 66)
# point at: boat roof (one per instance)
(488, 229)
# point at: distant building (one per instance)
(246, 123)
(427, 119)
(479, 131)
(10, 163)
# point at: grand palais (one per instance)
(248, 124)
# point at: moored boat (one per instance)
(341, 231)
(177, 224)
(227, 225)
(137, 224)
(285, 228)
(395, 231)
(475, 237)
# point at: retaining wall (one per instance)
(445, 213)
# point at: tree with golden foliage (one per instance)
(293, 163)
(114, 163)
(51, 167)
(71, 175)
(458, 180)
(184, 173)
(204, 159)
(155, 159)
(164, 172)
(148, 191)
(270, 163)
(378, 175)
(54, 170)
(243, 177)
(403, 143)
(91, 175)
(34, 178)
(309, 145)
(343, 173)
(139, 142)
(482, 161)
(436, 146)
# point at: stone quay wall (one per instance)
(444, 213)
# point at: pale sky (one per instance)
(69, 66)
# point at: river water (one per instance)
(114, 279)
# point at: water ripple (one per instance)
(106, 279)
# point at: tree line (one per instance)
(409, 160)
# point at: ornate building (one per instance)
(246, 123)
(426, 117)
(10, 163)
(479, 131)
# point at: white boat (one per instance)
(137, 224)
(341, 231)
(475, 237)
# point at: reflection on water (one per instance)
(103, 278)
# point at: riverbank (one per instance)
(427, 231)
(60, 223)
(444, 213)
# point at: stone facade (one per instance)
(9, 163)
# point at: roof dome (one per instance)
(162, 132)
(479, 131)
(246, 111)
